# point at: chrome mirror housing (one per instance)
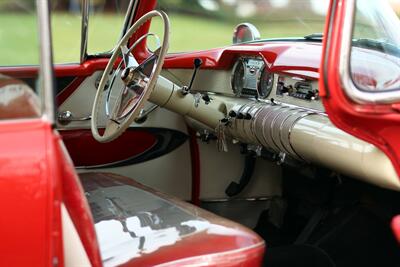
(245, 32)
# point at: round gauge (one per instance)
(265, 84)
(238, 77)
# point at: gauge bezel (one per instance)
(238, 92)
(259, 82)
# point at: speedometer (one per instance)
(265, 83)
(238, 76)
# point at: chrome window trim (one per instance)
(129, 16)
(352, 91)
(84, 30)
(46, 74)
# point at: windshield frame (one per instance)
(128, 20)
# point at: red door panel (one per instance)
(86, 151)
(135, 145)
(30, 195)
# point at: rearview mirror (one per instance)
(245, 32)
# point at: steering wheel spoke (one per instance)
(127, 57)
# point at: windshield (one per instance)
(375, 57)
(377, 20)
(205, 24)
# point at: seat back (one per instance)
(17, 99)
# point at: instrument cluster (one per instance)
(251, 78)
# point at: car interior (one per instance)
(221, 156)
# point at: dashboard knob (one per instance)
(232, 114)
(310, 95)
(240, 116)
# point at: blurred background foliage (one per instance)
(195, 24)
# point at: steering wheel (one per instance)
(138, 81)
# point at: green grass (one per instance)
(19, 42)
(193, 33)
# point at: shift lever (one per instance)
(197, 63)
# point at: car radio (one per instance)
(301, 89)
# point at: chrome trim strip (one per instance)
(268, 125)
(284, 131)
(239, 124)
(253, 112)
(250, 199)
(257, 124)
(277, 115)
(46, 85)
(129, 17)
(277, 131)
(84, 30)
(246, 109)
(264, 113)
(359, 96)
(291, 129)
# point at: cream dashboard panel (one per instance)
(216, 81)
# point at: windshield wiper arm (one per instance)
(314, 36)
(377, 45)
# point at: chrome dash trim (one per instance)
(285, 130)
(291, 130)
(268, 125)
(277, 128)
(280, 113)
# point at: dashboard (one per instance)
(266, 96)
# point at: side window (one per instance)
(19, 46)
(104, 28)
(66, 19)
(375, 53)
(18, 33)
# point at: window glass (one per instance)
(105, 24)
(18, 46)
(66, 19)
(205, 24)
(375, 56)
(18, 21)
(18, 33)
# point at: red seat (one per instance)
(138, 226)
(17, 100)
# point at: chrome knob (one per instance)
(66, 117)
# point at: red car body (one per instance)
(37, 175)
